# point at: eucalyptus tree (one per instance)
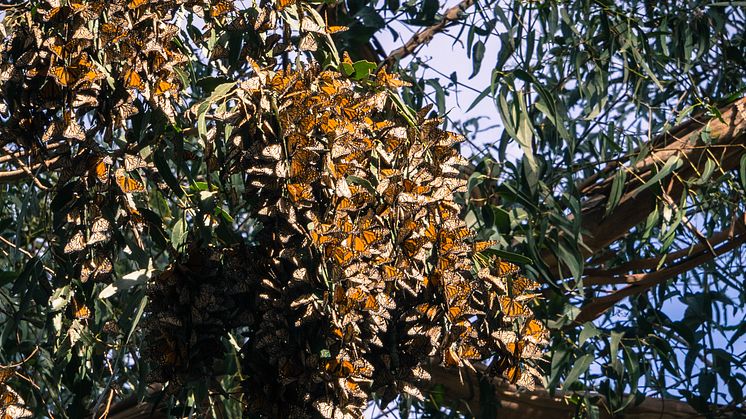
(224, 208)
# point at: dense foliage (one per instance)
(209, 196)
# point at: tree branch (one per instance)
(728, 134)
(511, 403)
(645, 281)
(423, 37)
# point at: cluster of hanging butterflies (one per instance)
(73, 74)
(364, 274)
(192, 306)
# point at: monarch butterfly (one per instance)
(356, 294)
(308, 43)
(134, 4)
(281, 4)
(87, 10)
(457, 289)
(427, 310)
(386, 301)
(390, 80)
(7, 399)
(467, 351)
(370, 304)
(412, 246)
(126, 110)
(133, 162)
(76, 243)
(506, 268)
(128, 184)
(102, 170)
(6, 373)
(451, 357)
(341, 255)
(300, 192)
(391, 273)
(221, 8)
(521, 284)
(112, 32)
(335, 29)
(100, 231)
(133, 80)
(162, 87)
(74, 131)
(454, 313)
(321, 239)
(513, 374)
(80, 311)
(95, 268)
(62, 75)
(483, 245)
(512, 308)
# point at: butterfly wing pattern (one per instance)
(362, 245)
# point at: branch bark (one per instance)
(728, 135)
(423, 37)
(539, 404)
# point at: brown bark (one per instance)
(728, 135)
(424, 36)
(539, 404)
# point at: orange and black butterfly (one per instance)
(342, 255)
(534, 331)
(506, 268)
(483, 245)
(512, 308)
(162, 87)
(76, 243)
(101, 170)
(222, 7)
(300, 192)
(521, 284)
(132, 80)
(128, 184)
(80, 311)
(134, 4)
(62, 75)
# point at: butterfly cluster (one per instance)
(364, 273)
(193, 305)
(73, 75)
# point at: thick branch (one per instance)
(539, 404)
(728, 135)
(426, 35)
(644, 282)
(613, 276)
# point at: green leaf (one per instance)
(617, 188)
(477, 53)
(363, 69)
(673, 163)
(580, 367)
(589, 331)
(179, 234)
(510, 256)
